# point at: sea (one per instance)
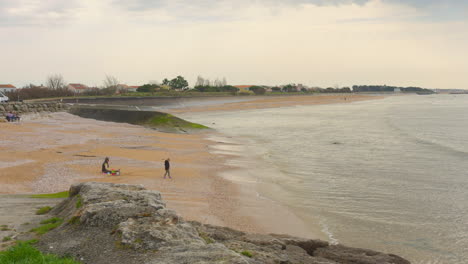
(387, 174)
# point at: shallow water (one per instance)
(390, 175)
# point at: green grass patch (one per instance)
(169, 120)
(25, 253)
(247, 253)
(7, 238)
(43, 210)
(47, 225)
(51, 195)
(197, 126)
(79, 201)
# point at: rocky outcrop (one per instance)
(115, 223)
(24, 108)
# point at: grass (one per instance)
(170, 120)
(79, 202)
(247, 253)
(51, 195)
(4, 228)
(204, 236)
(25, 253)
(7, 238)
(47, 225)
(43, 210)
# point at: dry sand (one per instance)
(49, 153)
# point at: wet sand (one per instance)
(45, 154)
(262, 102)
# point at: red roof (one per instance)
(7, 86)
(78, 86)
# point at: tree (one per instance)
(165, 81)
(289, 88)
(110, 85)
(276, 89)
(111, 82)
(55, 81)
(148, 88)
(200, 81)
(178, 83)
(257, 90)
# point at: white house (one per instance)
(126, 88)
(77, 87)
(7, 88)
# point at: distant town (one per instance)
(56, 86)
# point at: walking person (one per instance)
(167, 167)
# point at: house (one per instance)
(123, 88)
(77, 87)
(7, 88)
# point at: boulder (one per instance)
(117, 223)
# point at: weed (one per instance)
(43, 210)
(48, 225)
(79, 201)
(5, 239)
(247, 253)
(74, 220)
(205, 237)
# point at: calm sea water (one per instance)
(390, 175)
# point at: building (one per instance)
(7, 88)
(123, 88)
(77, 87)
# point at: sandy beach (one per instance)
(48, 153)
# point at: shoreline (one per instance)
(69, 148)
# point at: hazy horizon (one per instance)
(313, 42)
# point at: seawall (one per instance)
(26, 108)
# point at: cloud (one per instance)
(35, 12)
(263, 42)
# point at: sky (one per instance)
(325, 43)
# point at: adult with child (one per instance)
(9, 116)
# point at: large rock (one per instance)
(115, 223)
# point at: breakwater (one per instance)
(25, 108)
(157, 120)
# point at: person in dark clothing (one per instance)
(167, 167)
(106, 163)
(105, 168)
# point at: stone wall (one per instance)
(25, 108)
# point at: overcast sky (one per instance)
(313, 42)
